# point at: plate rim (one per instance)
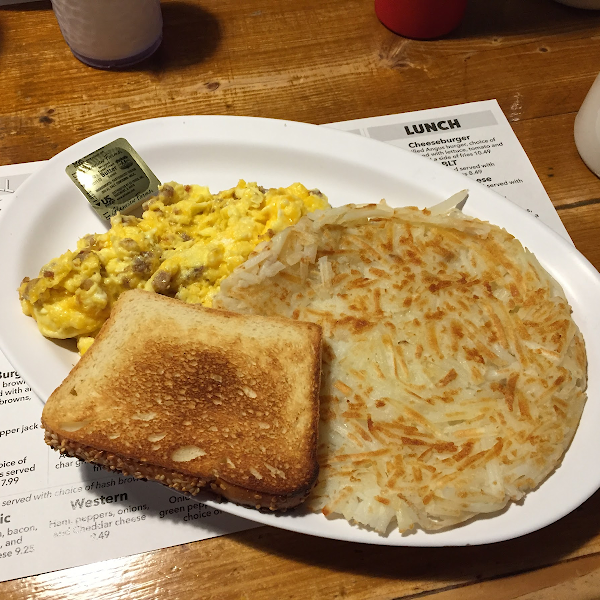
(351, 140)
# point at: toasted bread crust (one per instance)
(176, 480)
(197, 399)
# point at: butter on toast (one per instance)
(196, 398)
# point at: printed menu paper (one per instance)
(474, 139)
(57, 512)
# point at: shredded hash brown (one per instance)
(453, 374)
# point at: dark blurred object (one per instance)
(589, 4)
(420, 19)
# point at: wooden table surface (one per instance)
(321, 61)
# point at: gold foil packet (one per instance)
(114, 178)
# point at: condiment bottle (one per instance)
(587, 128)
(110, 33)
(420, 19)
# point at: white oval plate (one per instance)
(49, 215)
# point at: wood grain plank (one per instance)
(572, 580)
(549, 144)
(269, 563)
(311, 62)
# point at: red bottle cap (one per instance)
(420, 19)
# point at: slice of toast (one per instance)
(196, 398)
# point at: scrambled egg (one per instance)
(186, 242)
